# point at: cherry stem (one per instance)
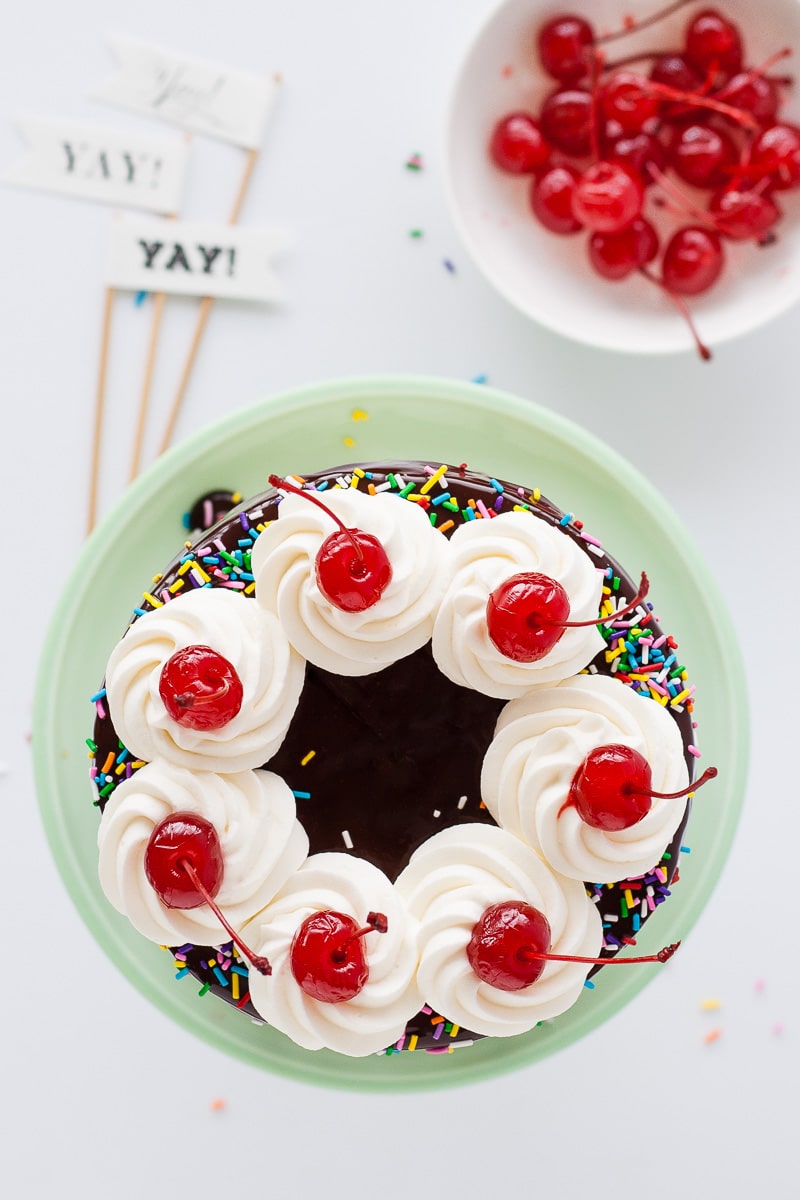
(277, 482)
(188, 700)
(644, 588)
(687, 208)
(630, 789)
(258, 961)
(633, 58)
(594, 132)
(698, 100)
(682, 308)
(528, 954)
(635, 27)
(755, 72)
(376, 923)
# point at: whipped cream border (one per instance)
(483, 554)
(540, 741)
(377, 1016)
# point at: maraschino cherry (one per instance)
(607, 197)
(200, 689)
(327, 955)
(526, 615)
(352, 567)
(184, 865)
(613, 788)
(510, 945)
(518, 145)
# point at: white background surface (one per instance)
(115, 1101)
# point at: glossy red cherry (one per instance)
(526, 615)
(551, 199)
(776, 154)
(327, 957)
(510, 944)
(639, 153)
(352, 567)
(755, 93)
(692, 262)
(183, 837)
(184, 866)
(713, 41)
(499, 942)
(612, 788)
(741, 215)
(566, 120)
(673, 71)
(607, 197)
(563, 43)
(518, 145)
(352, 580)
(703, 155)
(624, 98)
(200, 689)
(615, 255)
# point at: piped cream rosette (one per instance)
(540, 742)
(351, 643)
(262, 844)
(449, 883)
(377, 1016)
(483, 554)
(252, 641)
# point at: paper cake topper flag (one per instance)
(225, 261)
(109, 165)
(222, 103)
(202, 97)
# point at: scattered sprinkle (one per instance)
(449, 265)
(414, 163)
(217, 1105)
(348, 841)
(712, 1036)
(710, 1005)
(415, 233)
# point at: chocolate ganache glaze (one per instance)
(381, 762)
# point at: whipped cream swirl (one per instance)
(377, 1016)
(250, 639)
(483, 554)
(540, 742)
(262, 844)
(351, 643)
(449, 883)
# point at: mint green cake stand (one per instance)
(359, 420)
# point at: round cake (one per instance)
(387, 705)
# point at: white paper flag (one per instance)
(199, 96)
(110, 165)
(227, 261)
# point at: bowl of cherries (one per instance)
(627, 172)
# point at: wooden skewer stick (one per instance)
(144, 400)
(159, 300)
(100, 404)
(205, 310)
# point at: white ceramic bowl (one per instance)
(548, 277)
